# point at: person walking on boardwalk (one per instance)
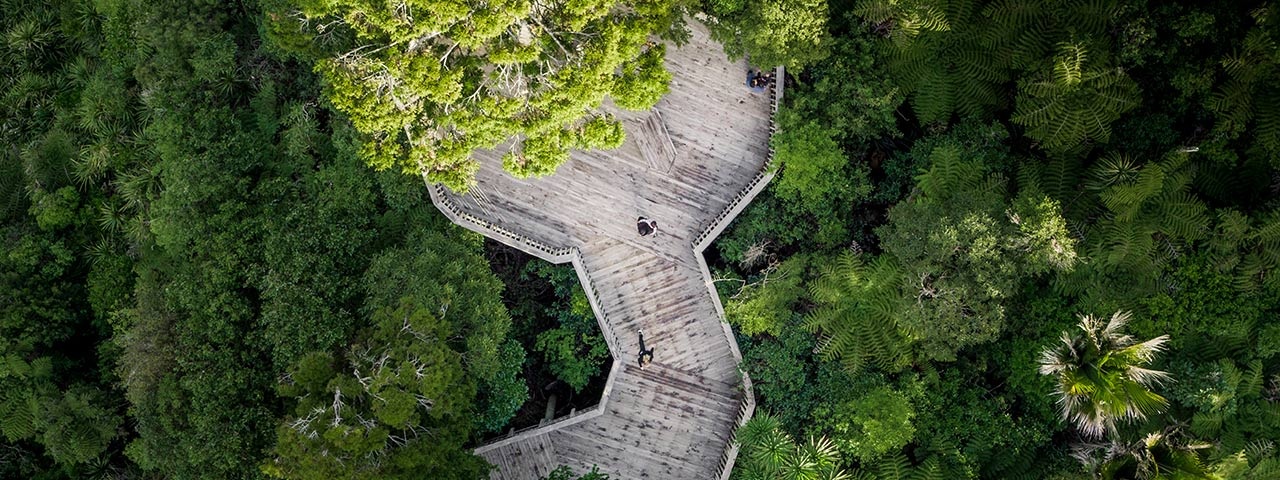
(646, 226)
(646, 355)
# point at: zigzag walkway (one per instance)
(675, 419)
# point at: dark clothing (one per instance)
(646, 227)
(646, 355)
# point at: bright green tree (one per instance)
(790, 33)
(427, 83)
(962, 249)
(765, 305)
(574, 350)
(1102, 376)
(817, 177)
(869, 426)
(444, 270)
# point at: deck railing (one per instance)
(554, 255)
(441, 198)
(762, 177)
(745, 411)
(593, 297)
(700, 244)
(546, 426)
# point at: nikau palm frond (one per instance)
(1102, 374)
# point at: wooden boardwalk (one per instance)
(691, 165)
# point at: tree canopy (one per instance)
(1040, 162)
(427, 83)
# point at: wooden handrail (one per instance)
(763, 176)
(459, 214)
(562, 255)
(748, 405)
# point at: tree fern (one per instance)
(938, 55)
(1029, 31)
(1147, 217)
(1126, 192)
(1252, 90)
(1228, 236)
(894, 467)
(1183, 216)
(904, 20)
(930, 469)
(1263, 260)
(1074, 103)
(19, 409)
(1251, 382)
(1060, 178)
(1267, 468)
(949, 173)
(855, 317)
(1125, 245)
(1207, 424)
(1249, 248)
(1113, 169)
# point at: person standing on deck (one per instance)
(646, 226)
(646, 355)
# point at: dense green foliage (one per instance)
(200, 277)
(790, 33)
(993, 172)
(564, 473)
(194, 255)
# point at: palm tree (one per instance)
(768, 453)
(1102, 376)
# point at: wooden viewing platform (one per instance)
(691, 165)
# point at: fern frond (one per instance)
(1183, 216)
(930, 469)
(1206, 424)
(19, 422)
(894, 467)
